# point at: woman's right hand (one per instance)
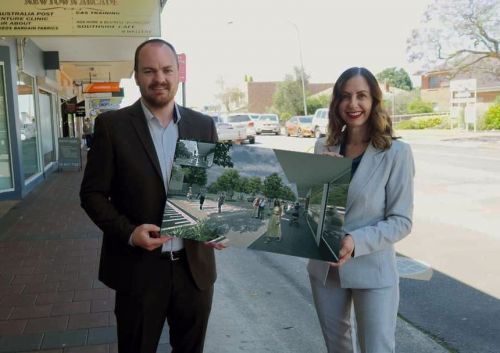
(333, 154)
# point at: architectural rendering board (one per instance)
(272, 200)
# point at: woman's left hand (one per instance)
(345, 252)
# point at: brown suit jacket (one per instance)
(122, 188)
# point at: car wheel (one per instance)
(299, 133)
(251, 140)
(317, 133)
(287, 132)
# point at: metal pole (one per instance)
(184, 94)
(301, 67)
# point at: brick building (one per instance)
(260, 94)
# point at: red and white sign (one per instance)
(182, 67)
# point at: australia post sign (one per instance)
(124, 18)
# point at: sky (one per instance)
(224, 40)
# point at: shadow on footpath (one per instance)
(462, 318)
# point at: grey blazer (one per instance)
(378, 214)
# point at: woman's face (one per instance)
(355, 102)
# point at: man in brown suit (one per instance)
(124, 192)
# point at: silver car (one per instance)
(238, 120)
(320, 122)
(268, 123)
(228, 132)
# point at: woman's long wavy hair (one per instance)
(379, 122)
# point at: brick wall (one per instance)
(260, 94)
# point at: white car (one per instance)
(320, 122)
(228, 132)
(239, 120)
(268, 123)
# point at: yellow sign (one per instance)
(88, 18)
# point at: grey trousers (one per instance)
(369, 328)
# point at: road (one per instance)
(456, 231)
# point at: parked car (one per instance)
(320, 122)
(268, 123)
(238, 120)
(228, 132)
(300, 126)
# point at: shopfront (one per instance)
(6, 172)
(28, 119)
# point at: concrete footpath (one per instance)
(51, 300)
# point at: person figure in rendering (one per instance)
(220, 202)
(87, 132)
(262, 207)
(202, 200)
(255, 204)
(274, 224)
(378, 214)
(124, 192)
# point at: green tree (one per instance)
(396, 78)
(287, 193)
(230, 97)
(243, 185)
(272, 186)
(254, 185)
(418, 106)
(228, 182)
(221, 155)
(492, 116)
(317, 102)
(459, 34)
(181, 151)
(195, 175)
(288, 100)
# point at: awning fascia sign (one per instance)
(89, 18)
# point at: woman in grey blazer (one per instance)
(378, 214)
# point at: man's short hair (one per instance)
(154, 40)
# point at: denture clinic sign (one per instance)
(126, 18)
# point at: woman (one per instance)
(274, 225)
(378, 214)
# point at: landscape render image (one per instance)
(284, 202)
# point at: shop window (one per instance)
(6, 180)
(29, 132)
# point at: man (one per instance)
(220, 202)
(202, 200)
(262, 207)
(87, 132)
(124, 192)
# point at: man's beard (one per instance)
(157, 101)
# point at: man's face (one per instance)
(157, 74)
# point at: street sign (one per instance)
(463, 91)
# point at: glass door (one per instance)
(6, 179)
(47, 127)
(29, 131)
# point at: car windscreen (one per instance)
(268, 118)
(306, 120)
(238, 118)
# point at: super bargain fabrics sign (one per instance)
(121, 18)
